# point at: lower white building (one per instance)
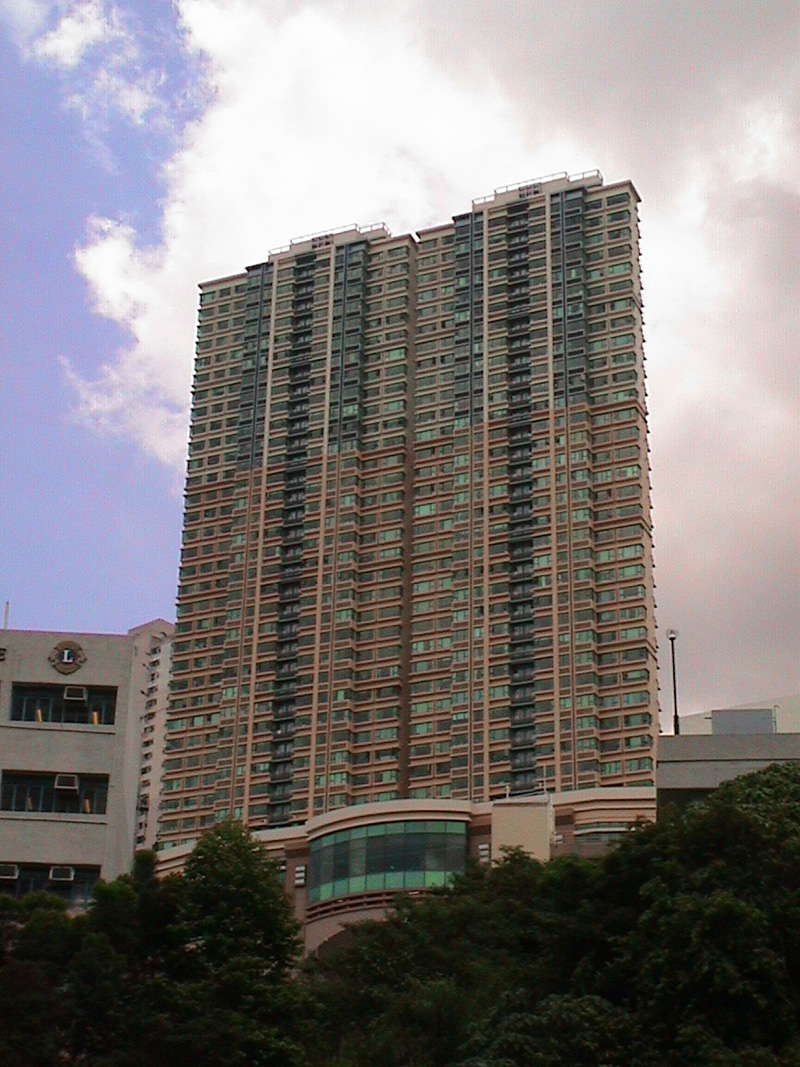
(71, 711)
(725, 743)
(157, 653)
(773, 715)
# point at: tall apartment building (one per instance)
(417, 549)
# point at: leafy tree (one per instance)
(37, 941)
(234, 904)
(678, 948)
(560, 1031)
(207, 961)
(688, 932)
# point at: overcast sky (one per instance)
(148, 145)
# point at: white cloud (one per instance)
(321, 114)
(135, 99)
(25, 17)
(108, 67)
(287, 148)
(142, 392)
(83, 27)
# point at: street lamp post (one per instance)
(676, 723)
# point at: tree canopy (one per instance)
(678, 948)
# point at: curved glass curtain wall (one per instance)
(398, 855)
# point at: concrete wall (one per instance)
(95, 840)
(691, 765)
(525, 822)
(784, 712)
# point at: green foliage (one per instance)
(186, 972)
(37, 940)
(678, 948)
(234, 904)
(580, 1031)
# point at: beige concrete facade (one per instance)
(417, 557)
(70, 743)
(527, 823)
(416, 856)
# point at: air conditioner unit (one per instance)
(78, 693)
(9, 872)
(67, 782)
(62, 874)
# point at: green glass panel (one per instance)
(433, 878)
(415, 847)
(326, 863)
(358, 856)
(436, 853)
(409, 854)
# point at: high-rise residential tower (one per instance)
(417, 547)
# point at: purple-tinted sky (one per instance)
(147, 145)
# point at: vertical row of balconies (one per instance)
(347, 398)
(522, 749)
(468, 382)
(568, 275)
(284, 702)
(253, 382)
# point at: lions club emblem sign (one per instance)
(67, 657)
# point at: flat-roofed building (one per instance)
(70, 748)
(772, 715)
(725, 743)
